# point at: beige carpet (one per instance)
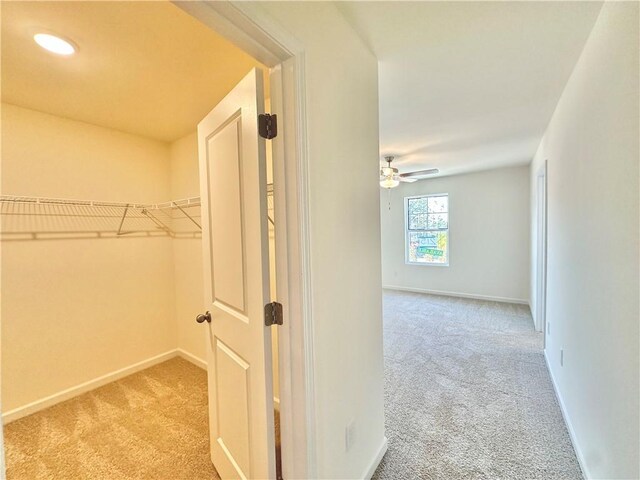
(150, 425)
(467, 393)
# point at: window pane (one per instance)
(438, 220)
(418, 222)
(428, 247)
(438, 204)
(417, 205)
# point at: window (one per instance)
(427, 229)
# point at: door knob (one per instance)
(204, 316)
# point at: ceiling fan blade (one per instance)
(407, 180)
(419, 173)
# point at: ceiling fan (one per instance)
(390, 178)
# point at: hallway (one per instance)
(468, 394)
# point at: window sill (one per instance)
(424, 264)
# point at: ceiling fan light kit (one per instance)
(389, 182)
(390, 178)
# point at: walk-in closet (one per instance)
(103, 362)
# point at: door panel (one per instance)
(232, 392)
(236, 270)
(227, 237)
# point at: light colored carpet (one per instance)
(150, 425)
(467, 393)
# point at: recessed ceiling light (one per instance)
(54, 44)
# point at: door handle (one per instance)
(204, 316)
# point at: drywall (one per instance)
(75, 309)
(187, 249)
(488, 236)
(342, 125)
(591, 148)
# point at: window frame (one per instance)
(407, 261)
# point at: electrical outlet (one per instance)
(349, 435)
(562, 357)
(548, 328)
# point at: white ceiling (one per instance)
(146, 68)
(467, 86)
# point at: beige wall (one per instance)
(488, 236)
(342, 115)
(75, 309)
(591, 148)
(187, 250)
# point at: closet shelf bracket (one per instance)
(124, 215)
(186, 214)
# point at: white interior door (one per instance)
(236, 270)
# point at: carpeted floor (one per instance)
(467, 396)
(150, 425)
(467, 393)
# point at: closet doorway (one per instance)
(233, 172)
(101, 221)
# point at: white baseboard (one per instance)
(69, 393)
(197, 361)
(457, 294)
(567, 421)
(376, 460)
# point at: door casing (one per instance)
(248, 27)
(541, 251)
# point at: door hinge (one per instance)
(267, 125)
(273, 314)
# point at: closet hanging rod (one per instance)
(179, 204)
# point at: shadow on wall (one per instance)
(25, 219)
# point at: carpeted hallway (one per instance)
(150, 425)
(467, 393)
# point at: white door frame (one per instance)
(541, 250)
(251, 29)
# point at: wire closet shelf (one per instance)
(25, 218)
(44, 217)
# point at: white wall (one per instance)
(75, 309)
(342, 115)
(187, 250)
(591, 146)
(488, 236)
